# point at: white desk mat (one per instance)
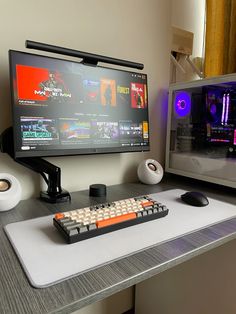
(47, 259)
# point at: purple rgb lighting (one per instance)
(225, 110)
(182, 103)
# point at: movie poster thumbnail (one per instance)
(130, 130)
(74, 130)
(145, 130)
(108, 92)
(105, 130)
(91, 91)
(138, 95)
(123, 95)
(41, 84)
(38, 129)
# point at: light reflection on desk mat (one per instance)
(47, 259)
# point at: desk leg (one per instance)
(205, 284)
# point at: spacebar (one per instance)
(115, 220)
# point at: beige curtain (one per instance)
(220, 48)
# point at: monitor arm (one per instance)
(54, 193)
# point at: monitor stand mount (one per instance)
(50, 173)
(54, 193)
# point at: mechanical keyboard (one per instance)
(88, 222)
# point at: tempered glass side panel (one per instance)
(202, 132)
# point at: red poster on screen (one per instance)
(138, 95)
(28, 80)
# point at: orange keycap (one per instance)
(59, 216)
(115, 220)
(148, 203)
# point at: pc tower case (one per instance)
(201, 130)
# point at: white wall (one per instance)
(190, 16)
(135, 30)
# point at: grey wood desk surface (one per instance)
(17, 296)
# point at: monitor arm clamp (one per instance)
(50, 173)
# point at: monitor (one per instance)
(63, 107)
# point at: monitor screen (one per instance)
(63, 107)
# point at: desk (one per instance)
(17, 296)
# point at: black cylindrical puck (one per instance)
(97, 190)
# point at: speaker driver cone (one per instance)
(152, 167)
(4, 185)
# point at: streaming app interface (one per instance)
(64, 107)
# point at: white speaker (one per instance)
(150, 171)
(10, 191)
